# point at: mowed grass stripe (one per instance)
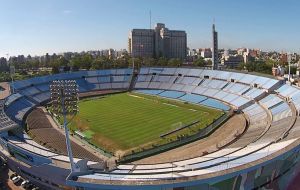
(152, 115)
(137, 119)
(131, 121)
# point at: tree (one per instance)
(162, 61)
(241, 66)
(97, 64)
(75, 63)
(137, 62)
(257, 66)
(209, 62)
(174, 62)
(200, 62)
(55, 69)
(4, 67)
(4, 77)
(148, 62)
(62, 62)
(86, 61)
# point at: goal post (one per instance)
(177, 125)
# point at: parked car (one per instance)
(25, 183)
(16, 179)
(12, 175)
(29, 186)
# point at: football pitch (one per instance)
(129, 120)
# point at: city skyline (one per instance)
(36, 28)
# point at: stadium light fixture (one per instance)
(64, 97)
(12, 71)
(289, 58)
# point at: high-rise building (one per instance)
(141, 43)
(215, 54)
(206, 53)
(158, 42)
(284, 57)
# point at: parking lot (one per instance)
(5, 182)
(11, 181)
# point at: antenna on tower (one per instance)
(150, 20)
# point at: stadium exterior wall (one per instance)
(274, 174)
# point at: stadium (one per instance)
(156, 128)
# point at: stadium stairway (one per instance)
(245, 91)
(225, 86)
(133, 80)
(32, 100)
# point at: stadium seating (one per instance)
(42, 131)
(5, 122)
(37, 89)
(193, 98)
(41, 97)
(215, 104)
(12, 98)
(271, 117)
(281, 111)
(236, 88)
(270, 101)
(218, 84)
(254, 93)
(223, 75)
(290, 92)
(43, 87)
(151, 92)
(18, 109)
(171, 94)
(205, 82)
(30, 91)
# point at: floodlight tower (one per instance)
(12, 71)
(64, 97)
(289, 58)
(215, 51)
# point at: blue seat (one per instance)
(151, 92)
(18, 109)
(215, 104)
(193, 98)
(172, 94)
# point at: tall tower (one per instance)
(215, 54)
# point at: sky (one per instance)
(37, 27)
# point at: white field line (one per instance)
(135, 96)
(170, 104)
(150, 99)
(163, 103)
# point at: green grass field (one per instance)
(128, 120)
